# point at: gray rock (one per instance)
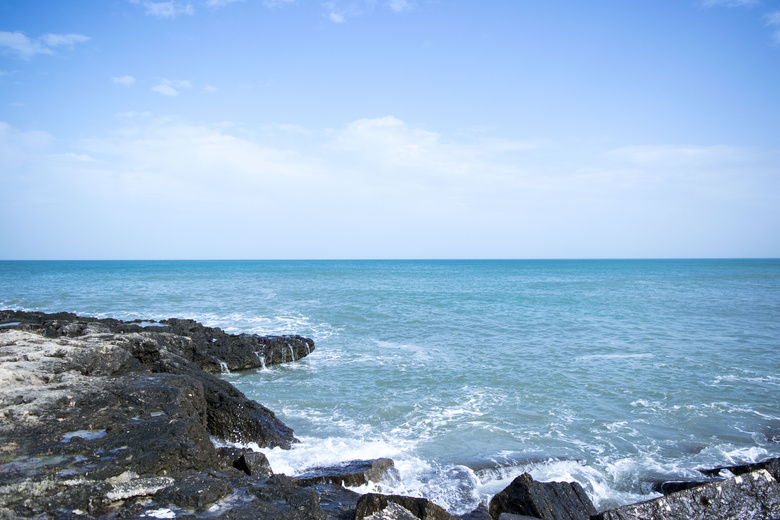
(546, 500)
(196, 492)
(253, 463)
(750, 496)
(480, 513)
(280, 497)
(392, 511)
(337, 502)
(421, 508)
(510, 516)
(352, 473)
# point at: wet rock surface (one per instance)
(546, 500)
(421, 508)
(352, 473)
(753, 495)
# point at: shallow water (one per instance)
(468, 373)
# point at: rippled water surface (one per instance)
(467, 373)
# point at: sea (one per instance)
(612, 373)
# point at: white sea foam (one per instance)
(613, 356)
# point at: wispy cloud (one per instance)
(773, 20)
(125, 80)
(171, 87)
(277, 3)
(216, 4)
(400, 6)
(24, 47)
(56, 40)
(170, 9)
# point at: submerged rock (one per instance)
(750, 496)
(352, 473)
(545, 500)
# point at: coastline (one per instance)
(109, 418)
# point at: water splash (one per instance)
(223, 367)
(262, 360)
(292, 352)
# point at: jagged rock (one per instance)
(480, 513)
(421, 508)
(253, 463)
(352, 473)
(196, 492)
(210, 348)
(337, 502)
(750, 496)
(510, 516)
(545, 500)
(280, 497)
(86, 406)
(138, 487)
(392, 511)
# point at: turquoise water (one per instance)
(468, 373)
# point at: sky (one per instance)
(308, 129)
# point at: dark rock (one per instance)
(352, 473)
(673, 486)
(196, 492)
(480, 513)
(228, 455)
(392, 511)
(546, 500)
(421, 508)
(337, 502)
(750, 496)
(510, 516)
(87, 405)
(280, 497)
(253, 463)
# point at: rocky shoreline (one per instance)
(102, 418)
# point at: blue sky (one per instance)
(389, 129)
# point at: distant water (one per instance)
(468, 373)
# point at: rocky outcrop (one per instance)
(210, 348)
(100, 417)
(753, 495)
(546, 500)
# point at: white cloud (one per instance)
(24, 47)
(277, 3)
(171, 87)
(169, 9)
(55, 40)
(215, 4)
(400, 6)
(336, 17)
(647, 154)
(210, 88)
(382, 187)
(773, 20)
(166, 90)
(125, 80)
